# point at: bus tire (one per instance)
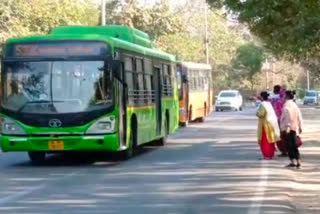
(163, 141)
(206, 112)
(201, 119)
(37, 157)
(132, 147)
(185, 124)
(190, 114)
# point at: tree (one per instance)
(289, 28)
(157, 21)
(21, 18)
(185, 46)
(189, 43)
(248, 62)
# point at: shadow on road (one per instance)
(81, 159)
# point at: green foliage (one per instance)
(248, 62)
(177, 32)
(288, 28)
(21, 17)
(189, 44)
(183, 45)
(156, 21)
(223, 40)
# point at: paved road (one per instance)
(208, 168)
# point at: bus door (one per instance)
(208, 88)
(158, 94)
(122, 101)
(185, 86)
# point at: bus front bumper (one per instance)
(61, 143)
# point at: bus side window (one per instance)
(197, 79)
(153, 92)
(164, 80)
(194, 80)
(170, 80)
(200, 83)
(140, 83)
(129, 78)
(190, 79)
(202, 78)
(148, 80)
(166, 85)
(135, 82)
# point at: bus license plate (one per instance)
(56, 145)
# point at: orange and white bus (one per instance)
(195, 91)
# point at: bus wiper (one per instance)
(36, 101)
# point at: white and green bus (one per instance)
(81, 88)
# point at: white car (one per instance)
(311, 97)
(229, 100)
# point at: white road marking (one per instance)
(257, 199)
(16, 196)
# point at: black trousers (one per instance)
(291, 143)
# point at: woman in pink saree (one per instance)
(278, 100)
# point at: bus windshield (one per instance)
(227, 94)
(311, 94)
(55, 86)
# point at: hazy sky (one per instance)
(172, 2)
(152, 2)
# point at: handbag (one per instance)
(299, 141)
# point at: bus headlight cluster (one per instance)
(10, 127)
(102, 126)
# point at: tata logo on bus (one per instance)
(55, 123)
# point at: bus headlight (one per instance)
(11, 127)
(102, 126)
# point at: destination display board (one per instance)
(56, 49)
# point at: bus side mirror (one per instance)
(1, 62)
(116, 68)
(113, 66)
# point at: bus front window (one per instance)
(56, 87)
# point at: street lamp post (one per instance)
(308, 79)
(103, 12)
(206, 34)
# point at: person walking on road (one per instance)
(268, 127)
(290, 125)
(277, 101)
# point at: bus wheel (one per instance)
(185, 123)
(131, 150)
(162, 141)
(201, 119)
(37, 157)
(190, 114)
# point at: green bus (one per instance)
(103, 88)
